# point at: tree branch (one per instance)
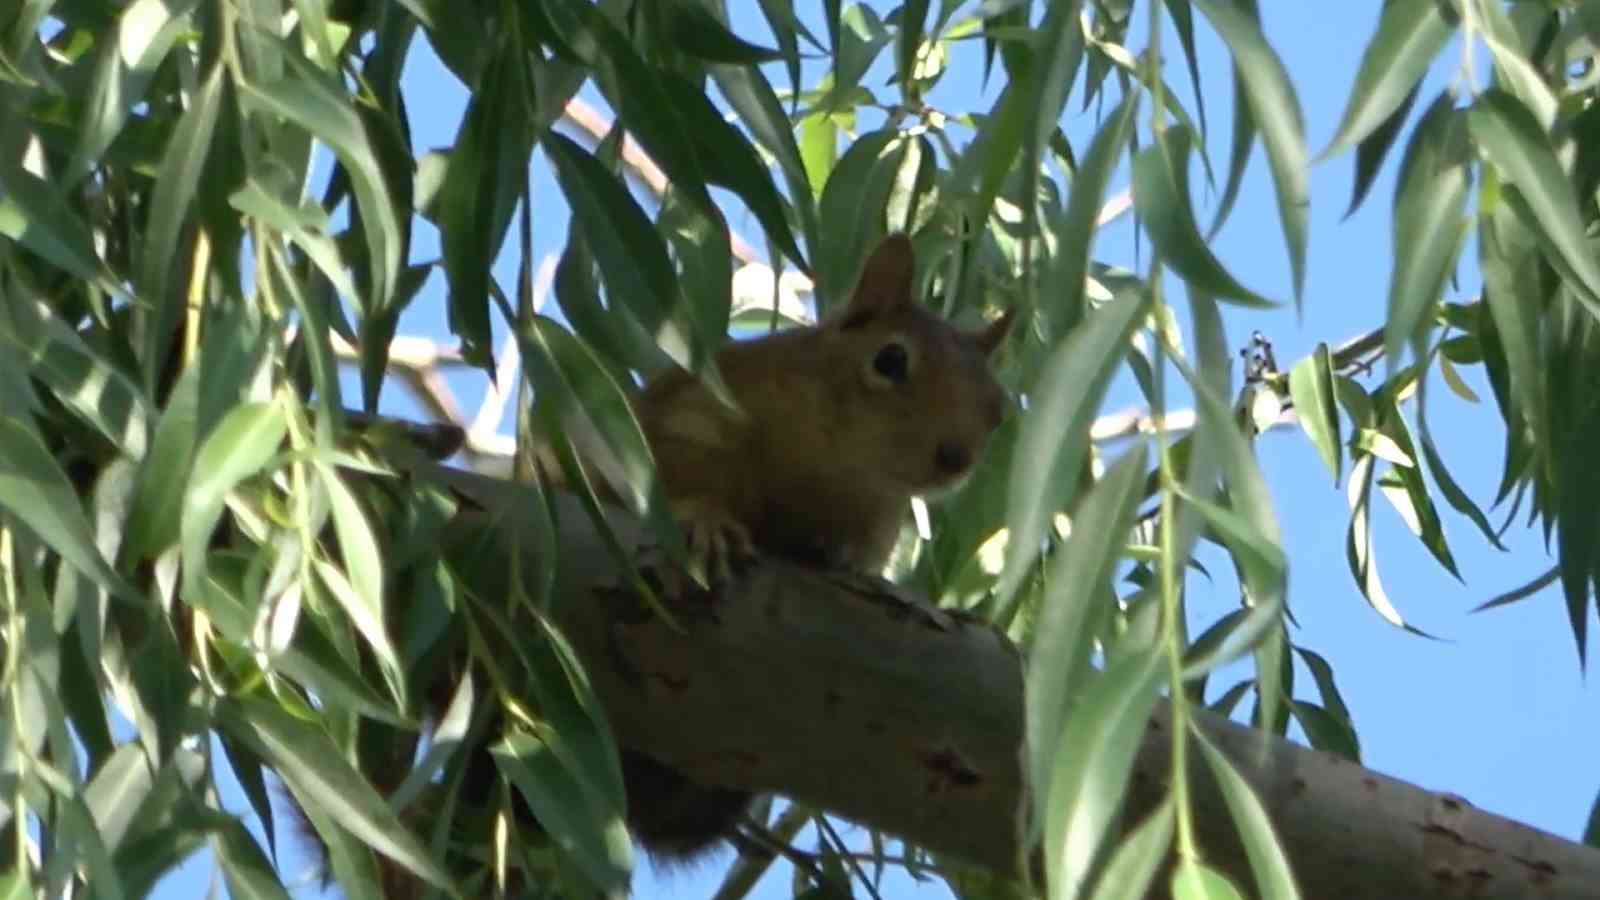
(850, 695)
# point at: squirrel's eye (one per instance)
(891, 362)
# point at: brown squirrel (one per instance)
(838, 426)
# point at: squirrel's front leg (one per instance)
(718, 542)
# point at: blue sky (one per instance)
(1497, 710)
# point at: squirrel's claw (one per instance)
(718, 542)
(717, 545)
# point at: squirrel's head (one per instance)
(917, 399)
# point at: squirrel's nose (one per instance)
(952, 457)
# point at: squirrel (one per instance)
(837, 426)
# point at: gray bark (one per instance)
(852, 696)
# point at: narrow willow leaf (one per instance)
(1322, 674)
(1241, 142)
(1183, 24)
(125, 64)
(1521, 593)
(1512, 139)
(909, 38)
(1430, 224)
(1059, 654)
(1161, 197)
(176, 184)
(35, 490)
(35, 215)
(362, 558)
(1508, 265)
(312, 766)
(631, 255)
(482, 183)
(1359, 543)
(311, 659)
(1132, 869)
(1054, 441)
(1076, 229)
(1268, 862)
(246, 870)
(1325, 731)
(1374, 149)
(701, 34)
(1276, 111)
(598, 844)
(1093, 759)
(1198, 881)
(1022, 109)
(81, 377)
(1316, 408)
(117, 791)
(240, 447)
(1591, 831)
(749, 94)
(1512, 67)
(852, 203)
(1431, 529)
(315, 101)
(1408, 38)
(1453, 492)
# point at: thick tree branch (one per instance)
(849, 695)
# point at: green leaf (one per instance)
(125, 64)
(1093, 759)
(1058, 657)
(244, 442)
(1054, 440)
(177, 182)
(1522, 593)
(1023, 110)
(1508, 265)
(117, 791)
(1197, 881)
(749, 94)
(852, 204)
(1423, 517)
(631, 255)
(700, 34)
(1131, 870)
(311, 659)
(1276, 111)
(317, 102)
(1430, 225)
(1076, 229)
(77, 374)
(1408, 38)
(482, 183)
(1359, 551)
(1268, 862)
(1591, 831)
(569, 774)
(361, 595)
(1513, 141)
(1161, 198)
(1374, 149)
(246, 870)
(312, 766)
(1316, 408)
(731, 162)
(1325, 731)
(35, 490)
(36, 215)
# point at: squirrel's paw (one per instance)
(718, 543)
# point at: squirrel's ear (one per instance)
(995, 332)
(886, 279)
